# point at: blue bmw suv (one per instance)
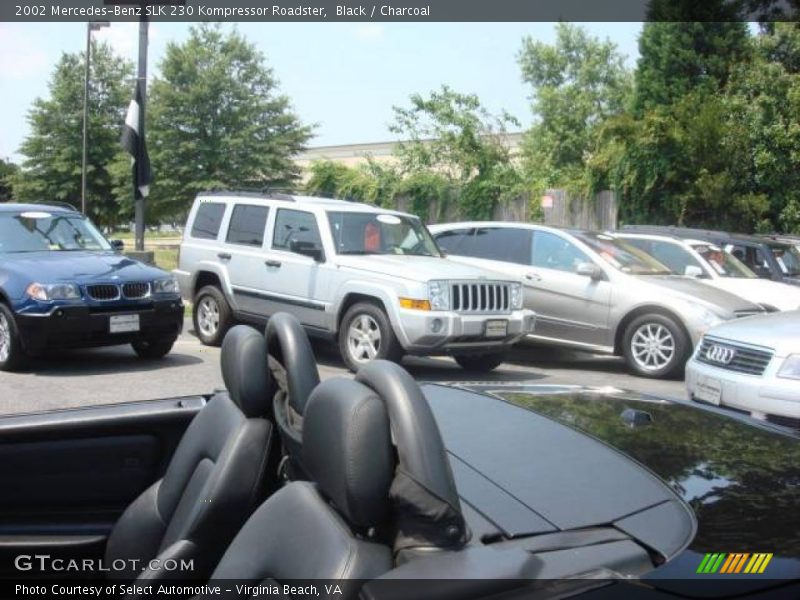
(62, 285)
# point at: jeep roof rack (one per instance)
(56, 203)
(264, 193)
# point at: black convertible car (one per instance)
(377, 487)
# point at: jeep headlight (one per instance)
(790, 369)
(45, 292)
(166, 286)
(516, 296)
(439, 295)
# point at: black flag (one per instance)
(134, 144)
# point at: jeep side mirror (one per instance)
(309, 249)
(117, 245)
(589, 269)
(693, 271)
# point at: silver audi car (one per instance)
(595, 292)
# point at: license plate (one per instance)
(123, 323)
(708, 390)
(496, 328)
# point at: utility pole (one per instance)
(142, 80)
(90, 27)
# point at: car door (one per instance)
(570, 307)
(297, 283)
(244, 241)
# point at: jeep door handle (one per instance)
(533, 277)
(273, 263)
(224, 256)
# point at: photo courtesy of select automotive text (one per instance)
(426, 300)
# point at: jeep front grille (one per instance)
(733, 357)
(104, 292)
(134, 291)
(472, 297)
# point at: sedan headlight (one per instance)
(516, 296)
(45, 292)
(166, 286)
(439, 295)
(790, 369)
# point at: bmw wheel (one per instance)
(12, 356)
(366, 334)
(654, 345)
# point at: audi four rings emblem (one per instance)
(720, 354)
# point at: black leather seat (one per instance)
(325, 528)
(214, 479)
(294, 371)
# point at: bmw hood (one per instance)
(416, 268)
(696, 291)
(81, 267)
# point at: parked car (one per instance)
(786, 238)
(717, 267)
(426, 491)
(370, 278)
(592, 291)
(767, 258)
(751, 365)
(62, 285)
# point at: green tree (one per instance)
(51, 169)
(7, 171)
(217, 120)
(682, 48)
(577, 83)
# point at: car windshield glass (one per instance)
(376, 233)
(723, 263)
(41, 231)
(622, 255)
(788, 259)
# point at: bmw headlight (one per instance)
(45, 292)
(790, 369)
(516, 296)
(439, 295)
(166, 286)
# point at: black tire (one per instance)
(385, 346)
(656, 361)
(209, 333)
(152, 349)
(10, 344)
(481, 363)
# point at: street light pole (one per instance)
(90, 26)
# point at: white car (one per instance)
(750, 364)
(713, 265)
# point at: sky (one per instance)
(343, 77)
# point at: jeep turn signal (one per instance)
(414, 304)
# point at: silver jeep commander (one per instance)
(372, 279)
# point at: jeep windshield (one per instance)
(42, 231)
(622, 255)
(379, 233)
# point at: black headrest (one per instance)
(424, 494)
(244, 370)
(347, 449)
(288, 344)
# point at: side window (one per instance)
(207, 220)
(503, 244)
(247, 225)
(295, 225)
(451, 241)
(553, 252)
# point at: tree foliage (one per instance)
(7, 172)
(51, 169)
(217, 120)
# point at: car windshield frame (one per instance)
(46, 231)
(732, 268)
(384, 226)
(636, 262)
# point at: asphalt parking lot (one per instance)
(108, 375)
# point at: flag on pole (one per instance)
(134, 144)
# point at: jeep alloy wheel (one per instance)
(363, 339)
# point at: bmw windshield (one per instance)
(41, 231)
(621, 255)
(376, 233)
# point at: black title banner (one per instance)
(398, 10)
